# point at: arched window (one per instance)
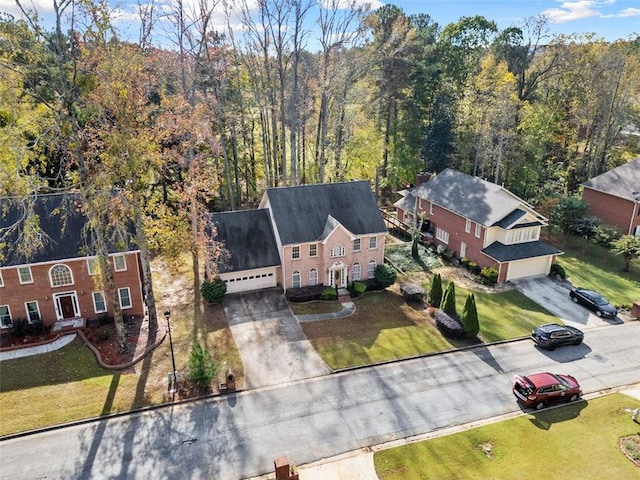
(337, 251)
(313, 277)
(355, 273)
(60, 275)
(296, 279)
(372, 268)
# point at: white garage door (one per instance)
(529, 268)
(250, 280)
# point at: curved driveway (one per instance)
(273, 347)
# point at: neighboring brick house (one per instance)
(324, 234)
(57, 284)
(614, 197)
(481, 221)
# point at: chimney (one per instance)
(422, 178)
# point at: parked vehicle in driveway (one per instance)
(552, 335)
(542, 389)
(593, 301)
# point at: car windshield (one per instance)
(562, 381)
(601, 301)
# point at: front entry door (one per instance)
(337, 278)
(67, 306)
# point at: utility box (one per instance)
(284, 471)
(635, 310)
(231, 380)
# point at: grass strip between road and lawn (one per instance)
(578, 440)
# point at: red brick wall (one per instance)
(613, 210)
(15, 295)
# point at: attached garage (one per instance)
(250, 280)
(528, 268)
(522, 260)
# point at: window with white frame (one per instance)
(372, 268)
(467, 226)
(356, 244)
(1, 281)
(478, 230)
(442, 235)
(60, 275)
(295, 252)
(313, 277)
(119, 263)
(313, 250)
(99, 303)
(430, 208)
(125, 297)
(419, 204)
(295, 278)
(355, 272)
(373, 242)
(337, 251)
(25, 275)
(93, 265)
(5, 316)
(33, 312)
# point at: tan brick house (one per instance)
(614, 197)
(58, 282)
(323, 234)
(481, 221)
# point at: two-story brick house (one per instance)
(58, 282)
(324, 234)
(481, 221)
(614, 197)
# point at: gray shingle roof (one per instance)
(62, 230)
(621, 181)
(248, 240)
(471, 197)
(301, 212)
(519, 251)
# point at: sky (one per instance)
(607, 19)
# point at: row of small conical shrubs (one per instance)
(447, 319)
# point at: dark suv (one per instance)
(552, 335)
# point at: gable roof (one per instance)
(471, 197)
(61, 229)
(301, 212)
(248, 240)
(622, 181)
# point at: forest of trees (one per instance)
(292, 92)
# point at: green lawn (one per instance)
(578, 441)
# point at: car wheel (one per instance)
(573, 398)
(551, 348)
(577, 342)
(575, 299)
(598, 313)
(540, 406)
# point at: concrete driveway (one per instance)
(272, 346)
(554, 296)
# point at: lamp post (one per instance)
(167, 315)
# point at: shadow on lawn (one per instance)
(545, 419)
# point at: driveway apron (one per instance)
(273, 348)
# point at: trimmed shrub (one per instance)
(329, 293)
(435, 293)
(412, 292)
(304, 294)
(373, 284)
(489, 275)
(20, 327)
(464, 261)
(443, 253)
(449, 326)
(558, 270)
(449, 299)
(385, 275)
(469, 318)
(201, 368)
(213, 290)
(356, 288)
(474, 267)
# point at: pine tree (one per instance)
(470, 317)
(435, 293)
(201, 367)
(449, 300)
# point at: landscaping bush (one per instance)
(213, 290)
(373, 284)
(464, 261)
(557, 270)
(475, 268)
(443, 253)
(201, 367)
(385, 275)
(449, 299)
(469, 318)
(489, 275)
(357, 288)
(435, 293)
(329, 293)
(412, 292)
(449, 326)
(305, 294)
(20, 327)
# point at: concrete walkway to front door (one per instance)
(273, 348)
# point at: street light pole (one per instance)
(167, 315)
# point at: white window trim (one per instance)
(467, 226)
(359, 244)
(26, 308)
(62, 284)
(28, 269)
(313, 255)
(478, 230)
(104, 300)
(2, 325)
(313, 277)
(430, 208)
(115, 263)
(295, 252)
(1, 280)
(371, 271)
(293, 279)
(373, 243)
(96, 265)
(442, 235)
(356, 268)
(120, 290)
(337, 254)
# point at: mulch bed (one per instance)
(105, 339)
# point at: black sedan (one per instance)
(552, 335)
(593, 301)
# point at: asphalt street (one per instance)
(238, 436)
